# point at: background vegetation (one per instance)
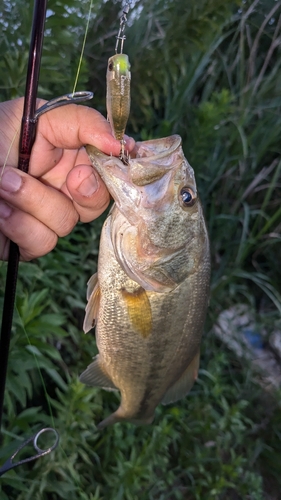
(210, 71)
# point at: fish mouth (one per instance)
(156, 148)
(148, 151)
(148, 171)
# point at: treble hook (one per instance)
(9, 464)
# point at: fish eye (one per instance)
(110, 66)
(187, 197)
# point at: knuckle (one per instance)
(68, 220)
(46, 243)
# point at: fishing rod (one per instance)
(40, 452)
(27, 138)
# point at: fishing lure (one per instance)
(118, 97)
(118, 80)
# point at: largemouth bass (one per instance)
(118, 100)
(149, 297)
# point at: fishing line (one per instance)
(83, 47)
(39, 370)
(8, 153)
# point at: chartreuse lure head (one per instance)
(119, 65)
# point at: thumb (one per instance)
(88, 192)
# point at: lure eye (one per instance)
(110, 66)
(187, 197)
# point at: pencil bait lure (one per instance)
(118, 97)
(118, 80)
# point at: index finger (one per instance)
(71, 127)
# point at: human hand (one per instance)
(61, 187)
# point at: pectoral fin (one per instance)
(184, 384)
(91, 284)
(95, 376)
(92, 308)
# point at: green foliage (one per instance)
(64, 28)
(210, 71)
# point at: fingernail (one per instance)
(89, 186)
(11, 181)
(5, 210)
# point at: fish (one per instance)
(149, 297)
(118, 100)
